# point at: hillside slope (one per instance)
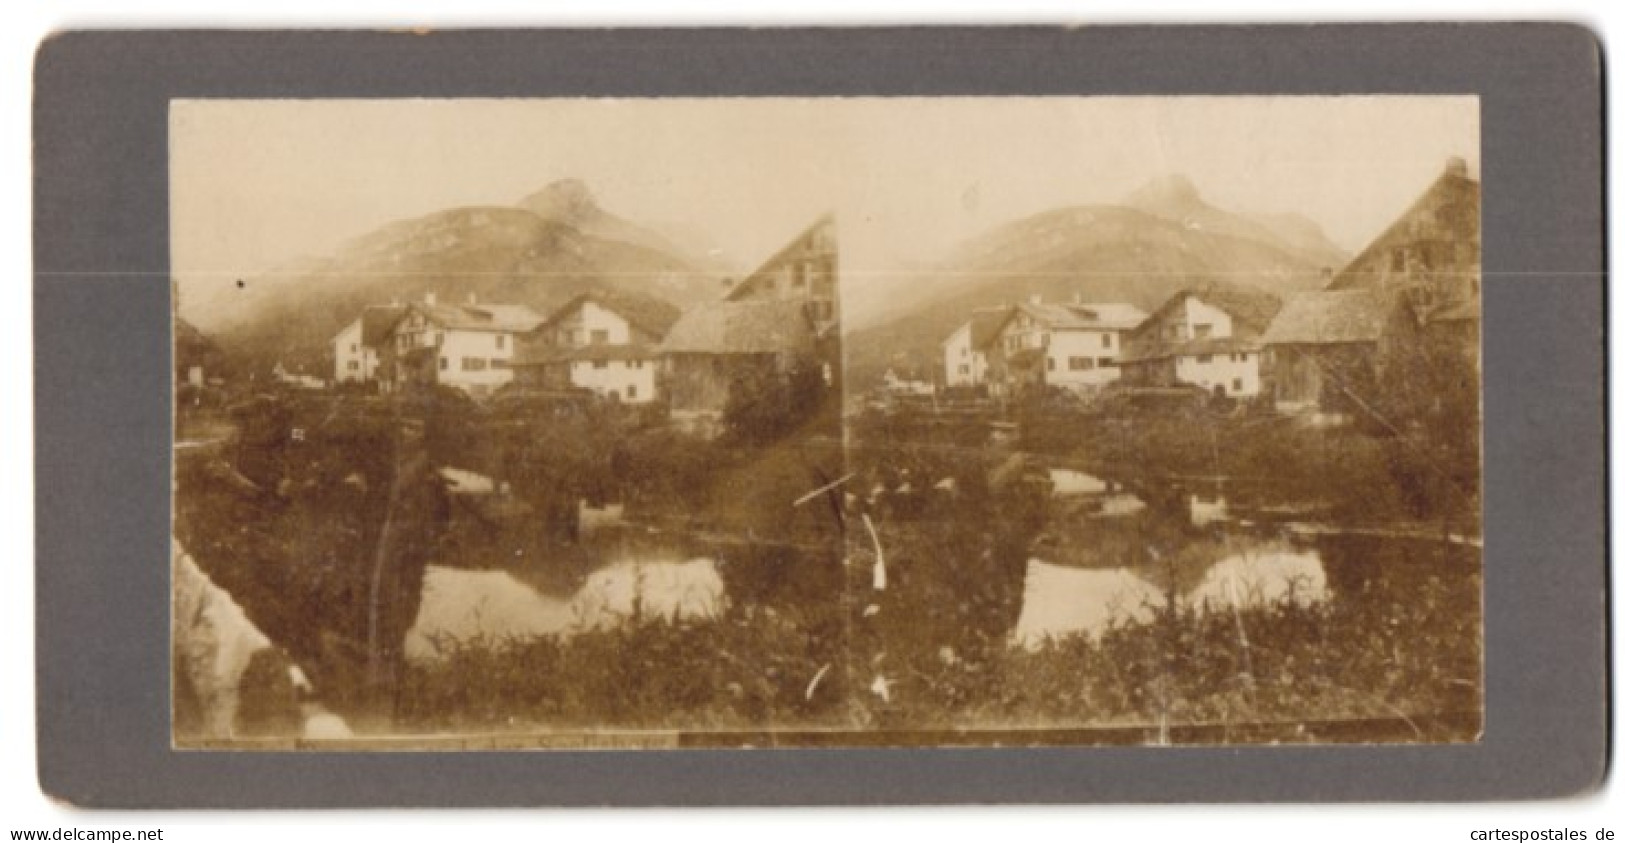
(1164, 238)
(496, 254)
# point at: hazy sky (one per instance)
(258, 183)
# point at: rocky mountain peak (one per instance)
(566, 200)
(1165, 193)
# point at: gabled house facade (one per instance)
(1075, 346)
(468, 346)
(783, 316)
(964, 352)
(1210, 339)
(1429, 261)
(804, 270)
(603, 341)
(1321, 350)
(356, 346)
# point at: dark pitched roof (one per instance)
(1448, 209)
(984, 326)
(646, 313)
(1327, 316)
(1069, 316)
(480, 317)
(1250, 314)
(1253, 310)
(798, 243)
(377, 320)
(747, 327)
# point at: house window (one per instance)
(1203, 331)
(1049, 363)
(1080, 364)
(445, 363)
(1108, 362)
(1204, 358)
(600, 337)
(1235, 385)
(439, 338)
(632, 390)
(473, 364)
(964, 370)
(354, 348)
(502, 340)
(600, 364)
(1105, 340)
(499, 363)
(354, 366)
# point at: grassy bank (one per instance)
(1301, 672)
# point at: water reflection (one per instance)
(1097, 497)
(461, 604)
(1069, 482)
(1060, 601)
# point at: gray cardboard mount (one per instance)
(102, 350)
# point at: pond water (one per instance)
(1067, 481)
(1059, 601)
(461, 604)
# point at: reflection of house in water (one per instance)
(1204, 338)
(601, 341)
(1208, 509)
(464, 606)
(783, 315)
(1060, 601)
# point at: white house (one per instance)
(352, 362)
(356, 346)
(964, 352)
(1074, 346)
(603, 341)
(468, 346)
(1209, 339)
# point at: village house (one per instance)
(1074, 346)
(356, 346)
(964, 352)
(784, 314)
(197, 359)
(1208, 339)
(601, 340)
(469, 346)
(1428, 261)
(1320, 351)
(803, 271)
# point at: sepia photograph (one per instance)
(826, 422)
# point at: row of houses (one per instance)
(624, 346)
(1415, 286)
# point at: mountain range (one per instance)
(552, 245)
(1159, 239)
